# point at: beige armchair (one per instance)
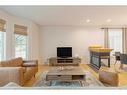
(18, 71)
(108, 76)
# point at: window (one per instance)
(2, 39)
(20, 46)
(115, 39)
(20, 41)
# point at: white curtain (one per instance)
(124, 40)
(106, 41)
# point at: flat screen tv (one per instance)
(64, 52)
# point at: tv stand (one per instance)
(69, 61)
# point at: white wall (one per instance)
(43, 41)
(79, 38)
(33, 39)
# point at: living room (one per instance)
(63, 46)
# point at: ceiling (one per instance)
(71, 15)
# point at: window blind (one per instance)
(19, 29)
(2, 25)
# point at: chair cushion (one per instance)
(30, 71)
(17, 62)
(4, 63)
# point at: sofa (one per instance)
(17, 70)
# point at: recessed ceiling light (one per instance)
(108, 20)
(88, 20)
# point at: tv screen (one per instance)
(64, 52)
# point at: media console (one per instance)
(70, 61)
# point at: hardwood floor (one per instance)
(122, 74)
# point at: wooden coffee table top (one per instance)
(76, 70)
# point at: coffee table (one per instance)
(73, 74)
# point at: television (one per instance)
(64, 52)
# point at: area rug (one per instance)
(90, 81)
